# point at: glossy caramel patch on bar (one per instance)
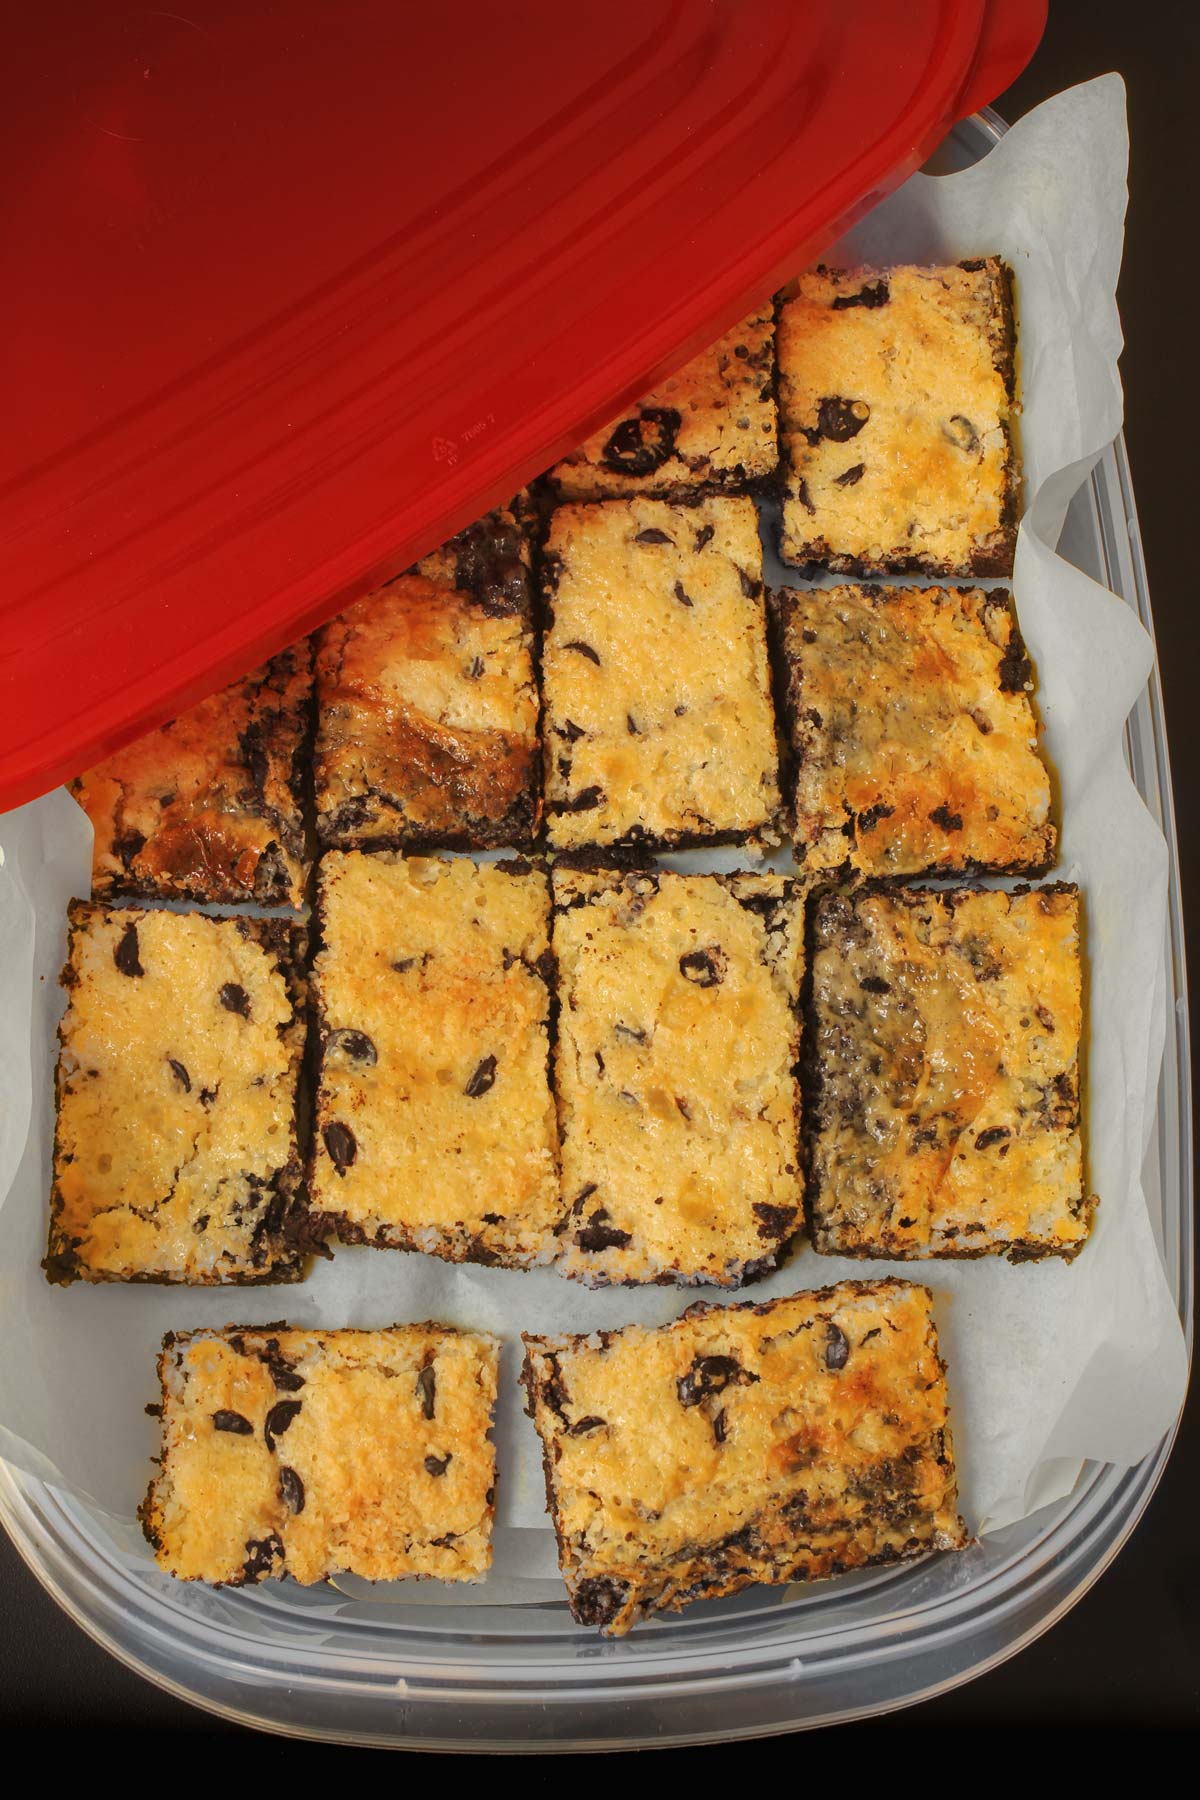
(427, 705)
(945, 1036)
(208, 807)
(913, 733)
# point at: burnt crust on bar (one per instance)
(317, 1453)
(176, 1152)
(435, 1126)
(912, 737)
(942, 1104)
(676, 1055)
(897, 420)
(427, 703)
(659, 729)
(788, 1441)
(210, 807)
(710, 428)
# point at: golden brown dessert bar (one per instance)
(175, 1154)
(711, 427)
(209, 808)
(944, 1043)
(912, 732)
(320, 1453)
(435, 1125)
(897, 395)
(427, 705)
(659, 726)
(802, 1438)
(676, 1073)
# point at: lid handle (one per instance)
(1009, 35)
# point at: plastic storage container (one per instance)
(371, 1668)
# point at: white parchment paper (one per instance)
(1049, 1364)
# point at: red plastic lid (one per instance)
(296, 289)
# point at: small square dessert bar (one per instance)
(913, 736)
(897, 393)
(175, 1155)
(712, 426)
(659, 726)
(944, 1046)
(209, 807)
(320, 1453)
(435, 1125)
(784, 1442)
(427, 704)
(676, 1073)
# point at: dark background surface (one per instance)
(1128, 1656)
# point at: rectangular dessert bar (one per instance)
(659, 726)
(676, 1079)
(427, 704)
(175, 1155)
(435, 1125)
(944, 1046)
(209, 808)
(775, 1443)
(897, 394)
(319, 1453)
(912, 732)
(713, 426)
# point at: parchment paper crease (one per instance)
(1049, 1364)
